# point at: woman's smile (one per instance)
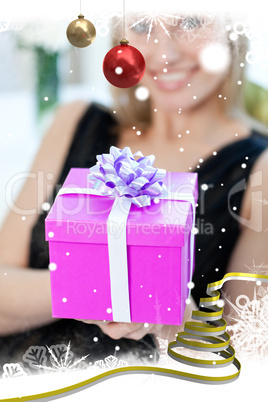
(173, 79)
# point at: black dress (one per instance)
(218, 232)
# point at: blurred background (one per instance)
(40, 70)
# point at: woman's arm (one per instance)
(251, 250)
(24, 299)
(25, 293)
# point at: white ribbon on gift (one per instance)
(117, 247)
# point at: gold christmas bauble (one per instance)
(81, 32)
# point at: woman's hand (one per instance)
(117, 330)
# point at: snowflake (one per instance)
(61, 358)
(110, 362)
(260, 270)
(35, 356)
(264, 201)
(257, 269)
(102, 27)
(166, 360)
(162, 345)
(162, 348)
(187, 25)
(191, 27)
(4, 25)
(249, 333)
(103, 23)
(12, 370)
(147, 22)
(157, 307)
(262, 291)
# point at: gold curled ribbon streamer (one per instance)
(217, 341)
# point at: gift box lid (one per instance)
(82, 218)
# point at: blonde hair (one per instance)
(131, 111)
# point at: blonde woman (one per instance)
(189, 125)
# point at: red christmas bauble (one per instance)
(123, 65)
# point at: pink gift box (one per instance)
(158, 253)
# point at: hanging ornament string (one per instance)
(124, 19)
(81, 32)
